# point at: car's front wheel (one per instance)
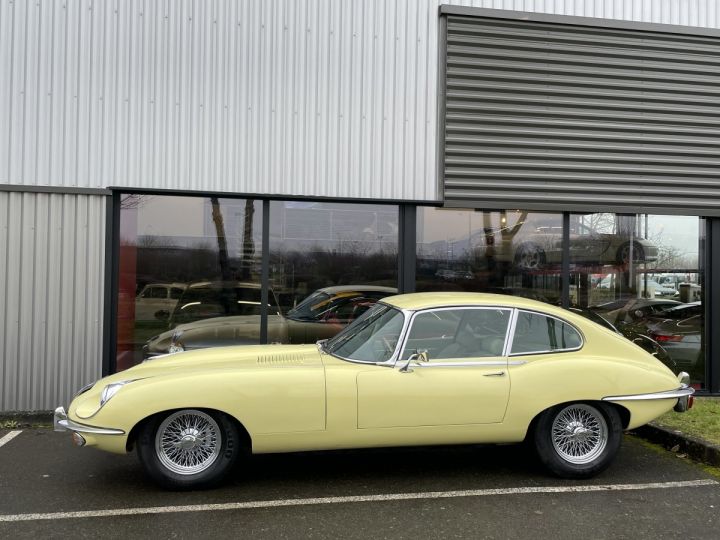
(578, 440)
(188, 448)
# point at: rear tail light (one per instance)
(665, 338)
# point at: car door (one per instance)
(464, 380)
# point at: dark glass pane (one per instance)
(329, 262)
(641, 273)
(189, 274)
(506, 252)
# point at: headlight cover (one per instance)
(111, 389)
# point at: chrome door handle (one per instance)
(496, 374)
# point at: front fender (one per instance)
(273, 400)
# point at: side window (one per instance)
(458, 333)
(535, 333)
(176, 293)
(156, 292)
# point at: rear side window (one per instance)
(536, 333)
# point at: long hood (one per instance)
(249, 357)
(235, 320)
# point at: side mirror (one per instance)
(419, 356)
(162, 315)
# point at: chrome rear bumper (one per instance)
(683, 394)
(62, 423)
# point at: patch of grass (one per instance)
(8, 424)
(702, 421)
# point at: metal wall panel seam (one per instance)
(42, 357)
(4, 304)
(25, 298)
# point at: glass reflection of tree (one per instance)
(248, 245)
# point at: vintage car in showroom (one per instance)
(414, 369)
(216, 313)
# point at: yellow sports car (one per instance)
(415, 369)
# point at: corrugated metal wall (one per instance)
(314, 97)
(554, 116)
(51, 297)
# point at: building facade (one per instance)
(273, 167)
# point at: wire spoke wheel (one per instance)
(579, 433)
(188, 442)
(529, 257)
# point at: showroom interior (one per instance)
(311, 166)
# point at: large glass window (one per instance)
(641, 273)
(189, 274)
(506, 251)
(329, 262)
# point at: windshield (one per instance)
(371, 338)
(682, 312)
(310, 308)
(209, 302)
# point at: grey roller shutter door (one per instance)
(551, 116)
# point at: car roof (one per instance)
(224, 285)
(359, 288)
(425, 300)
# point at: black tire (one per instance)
(212, 445)
(623, 253)
(570, 453)
(529, 257)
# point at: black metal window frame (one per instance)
(407, 243)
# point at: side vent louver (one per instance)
(281, 359)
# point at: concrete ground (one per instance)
(447, 492)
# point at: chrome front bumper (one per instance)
(62, 423)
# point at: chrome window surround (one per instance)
(406, 334)
(390, 362)
(512, 337)
(409, 315)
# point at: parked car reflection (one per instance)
(646, 343)
(544, 246)
(679, 330)
(217, 314)
(157, 300)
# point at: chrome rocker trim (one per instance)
(62, 423)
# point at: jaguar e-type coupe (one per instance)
(414, 369)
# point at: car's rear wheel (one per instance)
(623, 254)
(529, 257)
(188, 448)
(578, 440)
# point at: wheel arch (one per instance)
(132, 435)
(622, 411)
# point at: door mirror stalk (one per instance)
(418, 356)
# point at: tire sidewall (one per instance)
(552, 460)
(230, 449)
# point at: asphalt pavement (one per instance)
(51, 489)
